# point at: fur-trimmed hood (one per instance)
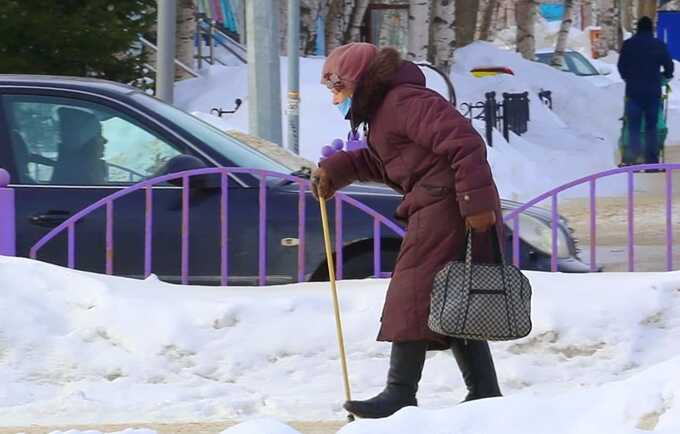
(385, 72)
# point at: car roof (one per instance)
(82, 83)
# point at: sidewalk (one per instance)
(313, 427)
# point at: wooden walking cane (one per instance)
(336, 305)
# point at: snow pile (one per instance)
(261, 426)
(78, 348)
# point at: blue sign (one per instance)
(668, 30)
(552, 11)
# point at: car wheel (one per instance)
(358, 261)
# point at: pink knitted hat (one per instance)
(346, 64)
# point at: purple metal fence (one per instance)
(513, 217)
(7, 236)
(7, 218)
(303, 188)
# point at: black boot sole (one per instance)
(365, 413)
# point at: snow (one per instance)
(79, 348)
(261, 426)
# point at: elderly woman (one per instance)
(421, 146)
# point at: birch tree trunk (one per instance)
(487, 20)
(310, 12)
(443, 34)
(628, 15)
(506, 14)
(558, 57)
(525, 14)
(184, 39)
(466, 21)
(337, 22)
(647, 8)
(587, 13)
(307, 29)
(418, 29)
(357, 20)
(608, 19)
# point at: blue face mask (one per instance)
(345, 106)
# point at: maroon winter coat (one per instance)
(422, 147)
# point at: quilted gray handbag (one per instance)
(481, 301)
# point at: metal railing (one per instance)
(7, 219)
(152, 46)
(513, 218)
(205, 27)
(7, 216)
(303, 185)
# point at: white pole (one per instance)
(294, 76)
(165, 60)
(264, 70)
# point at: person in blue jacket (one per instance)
(640, 63)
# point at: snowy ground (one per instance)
(579, 136)
(78, 348)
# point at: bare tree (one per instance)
(310, 12)
(338, 22)
(418, 29)
(587, 13)
(608, 18)
(184, 39)
(357, 18)
(628, 15)
(558, 57)
(443, 34)
(647, 8)
(506, 14)
(490, 9)
(466, 21)
(525, 14)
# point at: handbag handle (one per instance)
(497, 244)
(468, 259)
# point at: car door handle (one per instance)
(50, 219)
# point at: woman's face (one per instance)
(340, 95)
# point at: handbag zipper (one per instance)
(487, 291)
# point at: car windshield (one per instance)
(238, 153)
(573, 62)
(580, 65)
(547, 57)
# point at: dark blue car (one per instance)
(68, 142)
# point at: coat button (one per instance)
(467, 197)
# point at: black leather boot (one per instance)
(476, 364)
(406, 365)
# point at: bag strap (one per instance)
(497, 244)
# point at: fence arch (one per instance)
(667, 168)
(303, 185)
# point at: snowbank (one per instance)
(79, 348)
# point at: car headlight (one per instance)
(538, 234)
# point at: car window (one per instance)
(547, 57)
(65, 141)
(238, 153)
(580, 65)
